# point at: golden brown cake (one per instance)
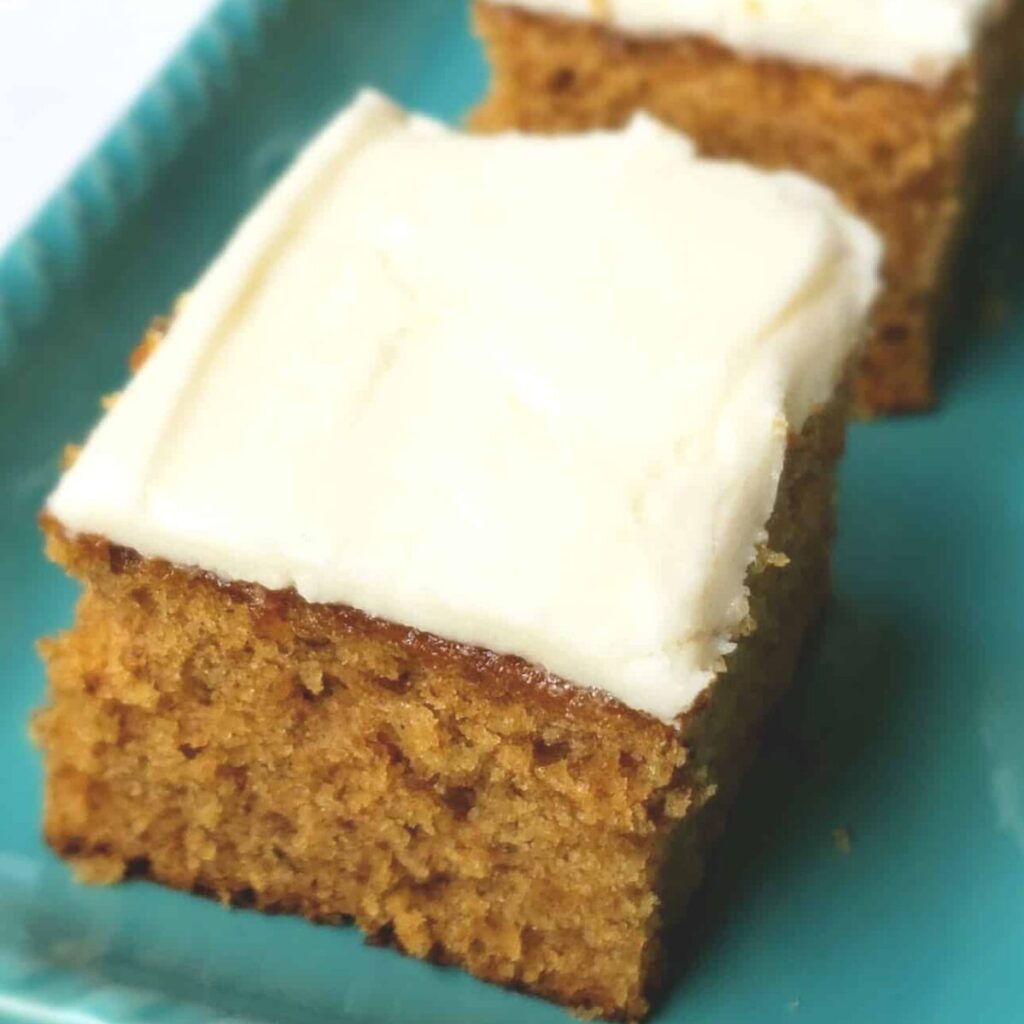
(469, 808)
(513, 757)
(910, 149)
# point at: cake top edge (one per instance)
(509, 678)
(914, 40)
(527, 394)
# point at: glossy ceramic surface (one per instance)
(906, 728)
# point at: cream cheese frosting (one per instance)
(920, 40)
(524, 393)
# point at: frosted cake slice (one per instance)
(442, 558)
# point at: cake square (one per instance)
(441, 559)
(906, 110)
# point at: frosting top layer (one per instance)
(525, 393)
(919, 40)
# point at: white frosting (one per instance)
(913, 39)
(524, 393)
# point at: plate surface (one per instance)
(906, 728)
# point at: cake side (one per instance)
(789, 587)
(909, 158)
(226, 739)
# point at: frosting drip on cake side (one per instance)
(523, 393)
(919, 40)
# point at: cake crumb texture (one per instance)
(464, 806)
(910, 159)
(842, 839)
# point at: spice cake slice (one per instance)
(442, 558)
(903, 108)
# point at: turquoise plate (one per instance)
(906, 729)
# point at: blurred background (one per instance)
(68, 69)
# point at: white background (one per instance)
(68, 70)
